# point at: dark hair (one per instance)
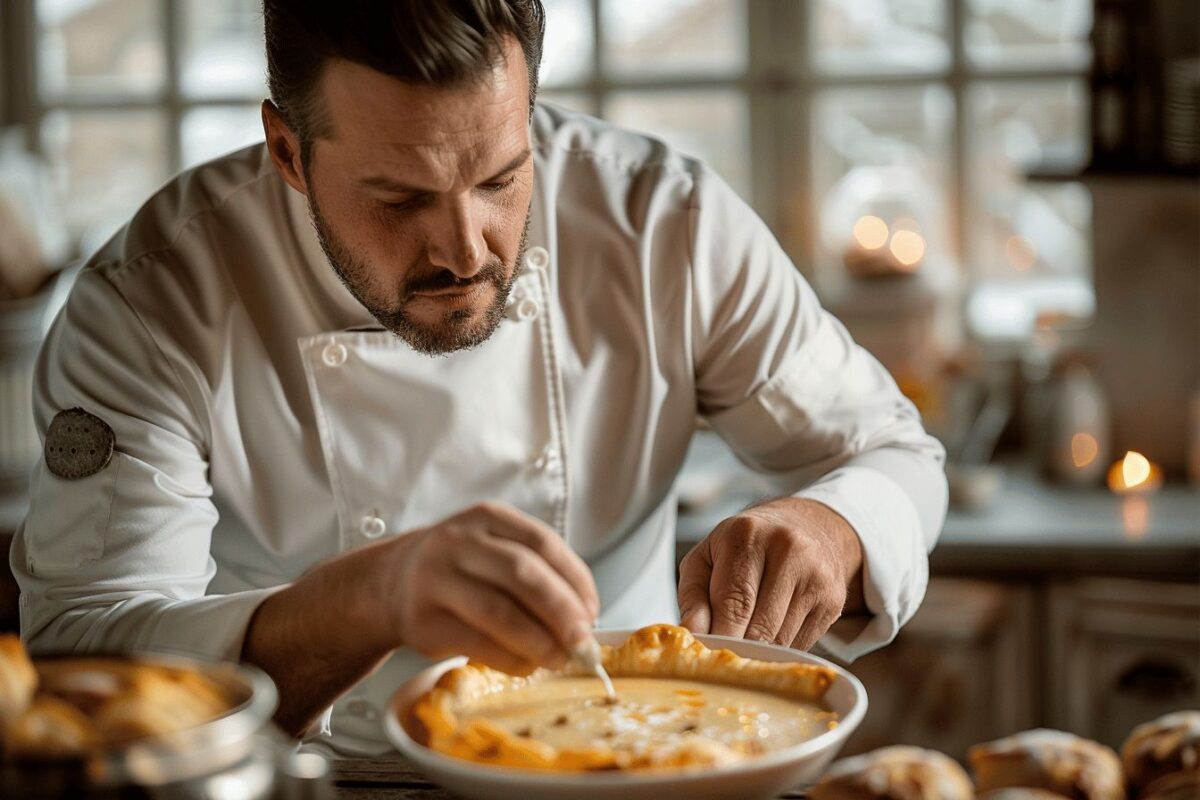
(435, 42)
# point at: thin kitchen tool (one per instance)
(587, 655)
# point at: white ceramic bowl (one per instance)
(758, 779)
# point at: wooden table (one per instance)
(396, 779)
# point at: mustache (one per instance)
(492, 272)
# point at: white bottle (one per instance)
(1078, 435)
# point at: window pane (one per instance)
(100, 47)
(222, 49)
(674, 36)
(1022, 229)
(855, 36)
(212, 131)
(708, 124)
(107, 163)
(567, 47)
(880, 173)
(1028, 33)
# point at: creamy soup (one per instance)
(574, 713)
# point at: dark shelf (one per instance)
(1166, 172)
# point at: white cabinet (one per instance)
(1120, 652)
(983, 659)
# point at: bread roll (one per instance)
(49, 728)
(1161, 747)
(895, 773)
(1044, 759)
(18, 680)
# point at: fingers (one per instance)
(737, 571)
(777, 594)
(695, 572)
(462, 639)
(760, 581)
(528, 581)
(494, 615)
(509, 523)
(817, 622)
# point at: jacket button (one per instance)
(528, 309)
(372, 527)
(334, 354)
(537, 258)
(548, 461)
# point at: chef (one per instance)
(416, 377)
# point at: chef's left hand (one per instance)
(781, 572)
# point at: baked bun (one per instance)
(1020, 793)
(1161, 747)
(895, 773)
(1044, 759)
(18, 680)
(1182, 785)
(159, 702)
(50, 728)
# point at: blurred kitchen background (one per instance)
(1000, 198)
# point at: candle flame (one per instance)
(871, 232)
(1134, 473)
(1135, 469)
(1084, 449)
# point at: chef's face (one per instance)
(420, 195)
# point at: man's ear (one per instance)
(284, 147)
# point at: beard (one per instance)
(458, 329)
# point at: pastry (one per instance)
(1020, 793)
(1182, 785)
(18, 680)
(1047, 759)
(1161, 747)
(67, 706)
(50, 728)
(679, 704)
(895, 773)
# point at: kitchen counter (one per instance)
(1029, 525)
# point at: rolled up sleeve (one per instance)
(120, 560)
(783, 383)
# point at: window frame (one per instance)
(780, 84)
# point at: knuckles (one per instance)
(734, 604)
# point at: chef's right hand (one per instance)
(490, 583)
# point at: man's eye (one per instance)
(404, 205)
(498, 186)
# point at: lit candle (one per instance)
(1134, 474)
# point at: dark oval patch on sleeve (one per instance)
(78, 444)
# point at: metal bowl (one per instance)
(232, 757)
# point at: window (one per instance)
(929, 115)
(124, 93)
(924, 117)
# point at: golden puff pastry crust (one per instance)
(18, 680)
(657, 652)
(895, 773)
(50, 728)
(1047, 759)
(1161, 747)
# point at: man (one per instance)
(462, 438)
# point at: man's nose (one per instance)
(457, 243)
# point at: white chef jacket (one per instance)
(264, 421)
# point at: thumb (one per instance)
(694, 575)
